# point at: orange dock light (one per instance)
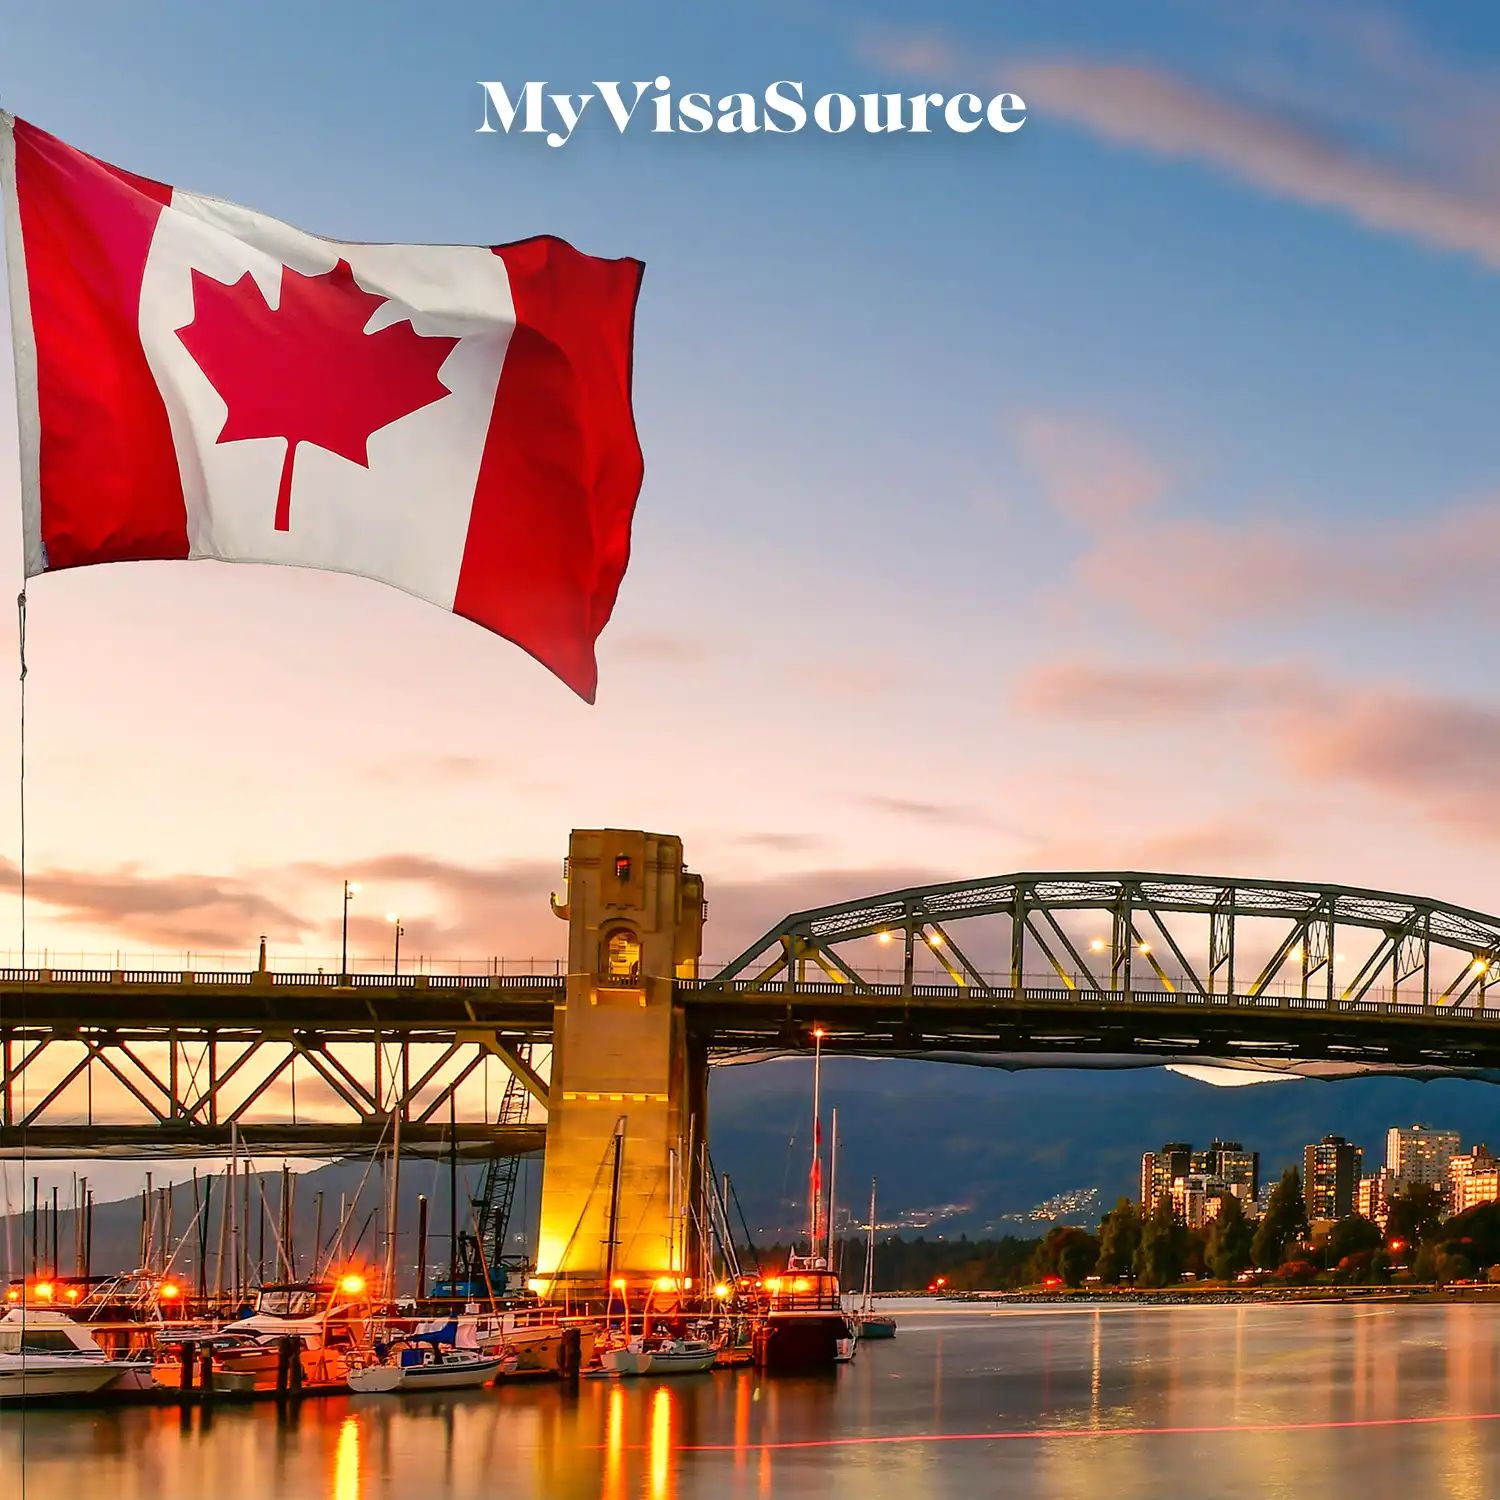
(170, 1291)
(351, 1284)
(665, 1284)
(72, 1294)
(721, 1291)
(42, 1291)
(618, 1283)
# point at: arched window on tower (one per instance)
(622, 954)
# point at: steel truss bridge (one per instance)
(1073, 969)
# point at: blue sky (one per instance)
(1117, 493)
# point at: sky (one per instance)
(1121, 493)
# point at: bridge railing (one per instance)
(193, 962)
(1374, 1003)
(253, 978)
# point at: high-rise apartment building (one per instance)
(1230, 1164)
(1330, 1177)
(1418, 1154)
(1195, 1181)
(1372, 1198)
(1473, 1178)
(1160, 1169)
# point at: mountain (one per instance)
(941, 1135)
(957, 1149)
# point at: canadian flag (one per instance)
(196, 379)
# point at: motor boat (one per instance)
(326, 1319)
(803, 1324)
(44, 1353)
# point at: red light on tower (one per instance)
(622, 868)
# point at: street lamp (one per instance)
(395, 922)
(351, 889)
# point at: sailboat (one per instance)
(803, 1325)
(870, 1324)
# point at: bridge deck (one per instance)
(181, 1056)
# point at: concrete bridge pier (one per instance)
(626, 1071)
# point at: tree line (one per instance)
(1419, 1242)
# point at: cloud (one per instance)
(1166, 567)
(429, 767)
(1137, 555)
(1434, 756)
(1092, 472)
(1148, 108)
(169, 911)
(657, 647)
(919, 811)
(1146, 694)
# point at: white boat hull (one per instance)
(679, 1364)
(376, 1379)
(37, 1376)
(450, 1377)
(634, 1359)
(625, 1361)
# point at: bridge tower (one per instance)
(625, 1070)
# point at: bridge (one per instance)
(1081, 969)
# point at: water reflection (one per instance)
(661, 1443)
(1225, 1401)
(346, 1461)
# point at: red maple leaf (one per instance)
(306, 370)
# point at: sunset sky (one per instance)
(1124, 493)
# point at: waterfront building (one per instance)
(1195, 1181)
(1330, 1176)
(1418, 1155)
(1238, 1170)
(1372, 1198)
(1160, 1169)
(1473, 1178)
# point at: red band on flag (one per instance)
(549, 536)
(107, 466)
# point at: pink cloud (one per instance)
(1091, 471)
(1150, 109)
(1423, 753)
(1165, 567)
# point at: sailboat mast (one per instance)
(393, 1214)
(614, 1210)
(234, 1207)
(870, 1251)
(833, 1177)
(814, 1198)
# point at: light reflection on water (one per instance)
(1215, 1401)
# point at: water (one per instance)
(1128, 1403)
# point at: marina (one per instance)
(1023, 1401)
